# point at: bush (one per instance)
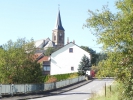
(59, 77)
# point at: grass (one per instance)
(110, 94)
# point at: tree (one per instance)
(49, 51)
(93, 54)
(115, 32)
(0, 46)
(100, 57)
(84, 65)
(17, 64)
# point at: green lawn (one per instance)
(110, 94)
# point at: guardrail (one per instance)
(12, 89)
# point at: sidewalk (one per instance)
(46, 93)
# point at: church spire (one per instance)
(58, 24)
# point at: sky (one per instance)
(36, 19)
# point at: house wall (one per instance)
(62, 60)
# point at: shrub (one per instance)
(51, 79)
(59, 77)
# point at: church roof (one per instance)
(58, 24)
(43, 44)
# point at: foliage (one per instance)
(17, 64)
(1, 47)
(112, 94)
(95, 57)
(74, 75)
(51, 79)
(49, 51)
(95, 68)
(100, 57)
(115, 32)
(59, 77)
(84, 65)
(93, 54)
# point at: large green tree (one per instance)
(115, 32)
(17, 64)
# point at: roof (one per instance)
(39, 43)
(68, 44)
(44, 58)
(58, 24)
(43, 44)
(50, 44)
(38, 56)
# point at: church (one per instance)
(58, 37)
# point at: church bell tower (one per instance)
(58, 35)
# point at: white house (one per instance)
(67, 59)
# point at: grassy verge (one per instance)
(111, 93)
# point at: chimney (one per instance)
(73, 41)
(67, 40)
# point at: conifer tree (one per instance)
(84, 65)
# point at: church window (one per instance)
(54, 37)
(60, 37)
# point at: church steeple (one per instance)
(58, 24)
(58, 35)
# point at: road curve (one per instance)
(82, 93)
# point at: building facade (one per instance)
(67, 59)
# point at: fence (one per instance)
(12, 89)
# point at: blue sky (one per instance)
(36, 19)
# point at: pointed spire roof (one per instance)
(58, 24)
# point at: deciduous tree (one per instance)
(115, 32)
(17, 63)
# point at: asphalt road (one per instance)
(81, 93)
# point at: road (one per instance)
(81, 93)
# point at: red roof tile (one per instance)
(45, 58)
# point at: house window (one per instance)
(46, 68)
(70, 50)
(72, 68)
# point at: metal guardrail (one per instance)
(12, 89)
